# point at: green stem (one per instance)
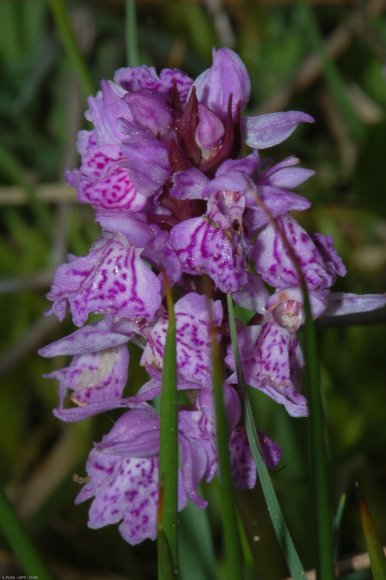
(132, 55)
(168, 457)
(232, 543)
(63, 25)
(318, 452)
(19, 541)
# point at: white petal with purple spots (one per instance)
(273, 263)
(111, 279)
(203, 247)
(271, 359)
(193, 340)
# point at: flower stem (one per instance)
(318, 452)
(63, 25)
(168, 458)
(232, 543)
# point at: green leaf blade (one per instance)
(168, 457)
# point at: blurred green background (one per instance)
(327, 58)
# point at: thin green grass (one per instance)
(168, 457)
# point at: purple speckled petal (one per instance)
(173, 79)
(124, 490)
(102, 181)
(111, 279)
(137, 78)
(189, 184)
(271, 451)
(193, 341)
(104, 111)
(276, 267)
(254, 296)
(268, 130)
(272, 360)
(150, 112)
(226, 76)
(145, 78)
(332, 261)
(242, 463)
(204, 248)
(89, 339)
(340, 303)
(147, 160)
(94, 377)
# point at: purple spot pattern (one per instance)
(112, 279)
(94, 377)
(203, 247)
(275, 266)
(272, 361)
(103, 182)
(145, 78)
(193, 340)
(125, 490)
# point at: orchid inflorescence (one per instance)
(165, 170)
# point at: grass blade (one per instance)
(338, 521)
(234, 561)
(373, 543)
(282, 533)
(63, 25)
(196, 548)
(318, 452)
(19, 541)
(168, 457)
(132, 56)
